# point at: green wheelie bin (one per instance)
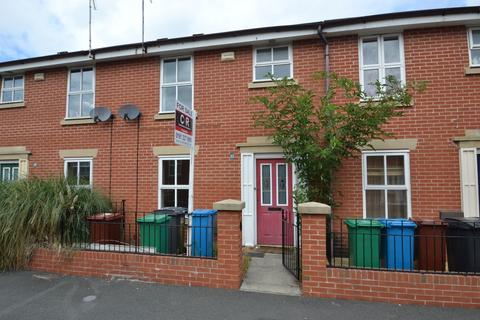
(154, 232)
(364, 237)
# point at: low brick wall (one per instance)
(223, 272)
(402, 287)
(319, 280)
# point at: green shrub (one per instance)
(43, 211)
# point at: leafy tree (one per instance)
(318, 132)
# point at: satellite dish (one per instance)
(101, 114)
(129, 112)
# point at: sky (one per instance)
(30, 28)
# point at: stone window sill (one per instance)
(472, 70)
(265, 84)
(164, 116)
(72, 122)
(12, 105)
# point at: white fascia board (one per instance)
(404, 23)
(187, 47)
(234, 41)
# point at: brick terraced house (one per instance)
(46, 127)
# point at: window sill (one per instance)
(472, 70)
(164, 116)
(265, 84)
(364, 102)
(72, 122)
(11, 105)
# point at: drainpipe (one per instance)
(327, 55)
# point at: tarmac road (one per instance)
(38, 296)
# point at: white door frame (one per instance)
(249, 194)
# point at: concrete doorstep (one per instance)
(268, 275)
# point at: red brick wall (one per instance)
(224, 272)
(385, 286)
(449, 105)
(221, 97)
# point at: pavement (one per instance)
(266, 274)
(32, 295)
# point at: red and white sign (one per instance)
(184, 126)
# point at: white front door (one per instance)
(469, 161)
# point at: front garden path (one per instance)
(266, 274)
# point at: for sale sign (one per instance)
(184, 125)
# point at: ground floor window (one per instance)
(8, 171)
(79, 172)
(386, 183)
(174, 182)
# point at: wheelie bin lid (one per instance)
(107, 216)
(430, 223)
(464, 223)
(395, 223)
(172, 211)
(204, 212)
(362, 223)
(154, 218)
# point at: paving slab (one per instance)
(268, 275)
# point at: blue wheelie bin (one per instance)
(203, 227)
(398, 243)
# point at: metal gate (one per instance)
(291, 244)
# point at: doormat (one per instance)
(255, 254)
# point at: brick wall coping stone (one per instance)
(314, 208)
(229, 205)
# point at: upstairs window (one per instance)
(474, 43)
(386, 181)
(81, 93)
(276, 61)
(12, 89)
(380, 57)
(177, 83)
(78, 172)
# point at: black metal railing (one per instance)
(149, 233)
(404, 245)
(291, 243)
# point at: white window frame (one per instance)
(78, 160)
(406, 186)
(271, 63)
(472, 46)
(13, 89)
(10, 173)
(381, 66)
(262, 203)
(286, 181)
(175, 186)
(81, 92)
(177, 84)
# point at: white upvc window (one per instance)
(380, 56)
(276, 61)
(79, 172)
(9, 171)
(173, 181)
(266, 184)
(386, 184)
(176, 83)
(81, 92)
(474, 45)
(12, 89)
(282, 184)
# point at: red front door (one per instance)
(274, 190)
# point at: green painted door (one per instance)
(8, 171)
